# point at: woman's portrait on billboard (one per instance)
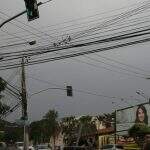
(141, 115)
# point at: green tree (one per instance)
(138, 132)
(76, 128)
(107, 119)
(37, 131)
(88, 125)
(2, 85)
(44, 129)
(3, 107)
(1, 136)
(86, 131)
(13, 134)
(51, 125)
(69, 126)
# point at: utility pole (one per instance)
(79, 134)
(115, 126)
(24, 106)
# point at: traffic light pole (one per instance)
(68, 90)
(24, 106)
(16, 16)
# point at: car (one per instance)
(3, 146)
(42, 147)
(19, 146)
(112, 147)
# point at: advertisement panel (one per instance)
(126, 118)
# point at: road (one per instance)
(11, 148)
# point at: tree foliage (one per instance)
(88, 125)
(2, 85)
(37, 131)
(107, 119)
(138, 132)
(3, 106)
(50, 123)
(42, 130)
(74, 128)
(13, 134)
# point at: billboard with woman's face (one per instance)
(126, 118)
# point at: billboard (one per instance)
(126, 118)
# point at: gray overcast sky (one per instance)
(81, 76)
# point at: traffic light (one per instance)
(69, 91)
(32, 9)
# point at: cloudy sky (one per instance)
(101, 81)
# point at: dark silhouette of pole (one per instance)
(115, 126)
(24, 106)
(16, 16)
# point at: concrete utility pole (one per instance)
(115, 126)
(24, 106)
(79, 134)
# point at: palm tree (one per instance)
(88, 125)
(87, 132)
(69, 126)
(51, 125)
(106, 119)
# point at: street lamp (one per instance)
(141, 93)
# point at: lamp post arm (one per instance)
(8, 20)
(46, 90)
(16, 16)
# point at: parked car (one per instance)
(19, 146)
(3, 146)
(112, 147)
(42, 147)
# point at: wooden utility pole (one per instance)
(24, 106)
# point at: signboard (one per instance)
(126, 118)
